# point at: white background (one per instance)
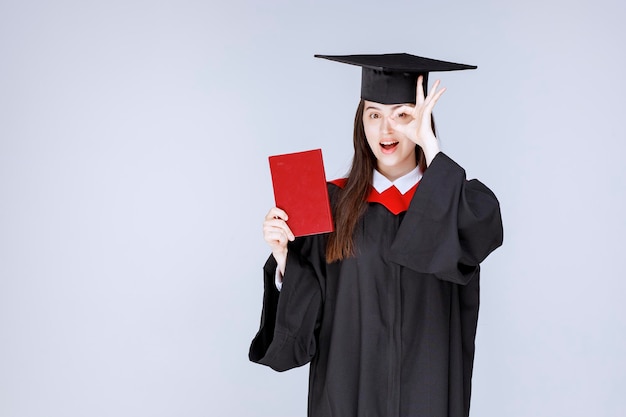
(134, 180)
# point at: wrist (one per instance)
(430, 149)
(281, 260)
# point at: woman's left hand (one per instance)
(419, 126)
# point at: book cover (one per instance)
(300, 190)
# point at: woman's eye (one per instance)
(374, 116)
(401, 115)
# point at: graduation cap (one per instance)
(392, 78)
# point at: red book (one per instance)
(300, 189)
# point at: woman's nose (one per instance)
(386, 125)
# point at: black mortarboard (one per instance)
(392, 78)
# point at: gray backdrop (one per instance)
(134, 181)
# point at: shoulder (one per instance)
(339, 182)
(335, 187)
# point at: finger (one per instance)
(419, 90)
(271, 232)
(274, 224)
(280, 214)
(406, 109)
(284, 227)
(276, 213)
(276, 239)
(434, 99)
(400, 127)
(285, 235)
(433, 92)
(271, 225)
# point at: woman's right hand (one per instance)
(277, 234)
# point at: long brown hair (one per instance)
(352, 200)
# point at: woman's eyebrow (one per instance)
(392, 108)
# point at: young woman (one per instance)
(385, 308)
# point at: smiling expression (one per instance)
(394, 152)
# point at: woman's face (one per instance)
(395, 153)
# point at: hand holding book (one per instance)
(277, 234)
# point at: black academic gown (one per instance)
(389, 332)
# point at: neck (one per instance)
(394, 172)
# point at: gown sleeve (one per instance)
(451, 225)
(290, 318)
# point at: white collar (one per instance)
(403, 184)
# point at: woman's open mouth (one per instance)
(389, 145)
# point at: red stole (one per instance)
(391, 198)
